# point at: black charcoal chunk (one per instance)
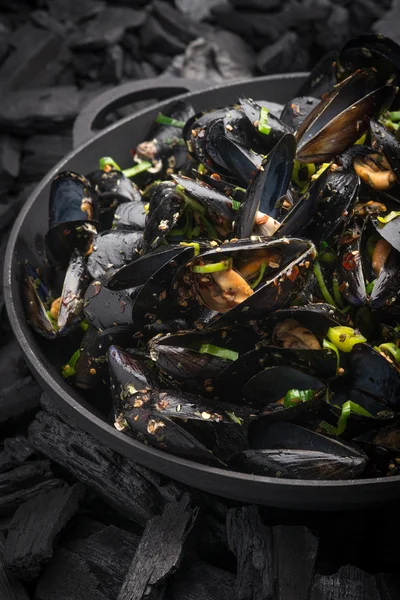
(348, 583)
(23, 483)
(280, 56)
(118, 480)
(363, 13)
(22, 65)
(159, 552)
(108, 27)
(388, 25)
(41, 153)
(6, 462)
(20, 397)
(109, 553)
(34, 527)
(265, 5)
(112, 69)
(388, 585)
(42, 18)
(251, 542)
(197, 10)
(47, 109)
(256, 27)
(173, 21)
(335, 31)
(18, 448)
(5, 35)
(73, 11)
(198, 580)
(154, 36)
(68, 577)
(10, 588)
(295, 550)
(9, 163)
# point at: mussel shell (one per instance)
(62, 239)
(127, 376)
(318, 318)
(105, 308)
(91, 369)
(242, 162)
(270, 183)
(113, 188)
(69, 193)
(75, 285)
(386, 143)
(296, 110)
(298, 464)
(34, 293)
(278, 128)
(165, 208)
(341, 117)
(130, 215)
(386, 290)
(113, 249)
(350, 272)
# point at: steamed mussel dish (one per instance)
(233, 296)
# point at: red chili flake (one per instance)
(349, 261)
(216, 176)
(294, 273)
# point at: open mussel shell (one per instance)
(340, 119)
(243, 163)
(62, 239)
(269, 184)
(91, 369)
(390, 231)
(297, 109)
(76, 281)
(288, 451)
(113, 249)
(165, 209)
(35, 296)
(187, 357)
(277, 128)
(385, 142)
(322, 213)
(72, 198)
(129, 215)
(128, 375)
(106, 308)
(287, 266)
(217, 207)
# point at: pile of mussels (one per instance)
(238, 287)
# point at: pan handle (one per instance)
(90, 119)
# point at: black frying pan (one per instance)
(46, 357)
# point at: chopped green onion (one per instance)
(344, 338)
(387, 218)
(234, 418)
(328, 258)
(52, 321)
(336, 292)
(177, 232)
(390, 124)
(235, 204)
(220, 352)
(197, 207)
(348, 408)
(260, 275)
(195, 246)
(196, 231)
(84, 325)
(263, 126)
(328, 427)
(239, 189)
(212, 234)
(391, 349)
(329, 346)
(294, 397)
(322, 168)
(201, 168)
(322, 285)
(69, 369)
(223, 265)
(165, 120)
(361, 140)
(107, 161)
(395, 115)
(370, 286)
(140, 168)
(307, 168)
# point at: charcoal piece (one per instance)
(295, 551)
(251, 542)
(331, 34)
(86, 62)
(349, 582)
(41, 153)
(18, 448)
(265, 5)
(388, 585)
(148, 70)
(44, 19)
(112, 69)
(159, 61)
(50, 74)
(108, 28)
(23, 483)
(17, 398)
(197, 10)
(9, 163)
(7, 462)
(212, 542)
(68, 577)
(198, 580)
(47, 109)
(10, 588)
(70, 10)
(132, 68)
(154, 36)
(114, 478)
(131, 43)
(159, 552)
(4, 41)
(278, 57)
(79, 528)
(177, 24)
(34, 527)
(21, 66)
(362, 15)
(109, 554)
(257, 28)
(388, 25)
